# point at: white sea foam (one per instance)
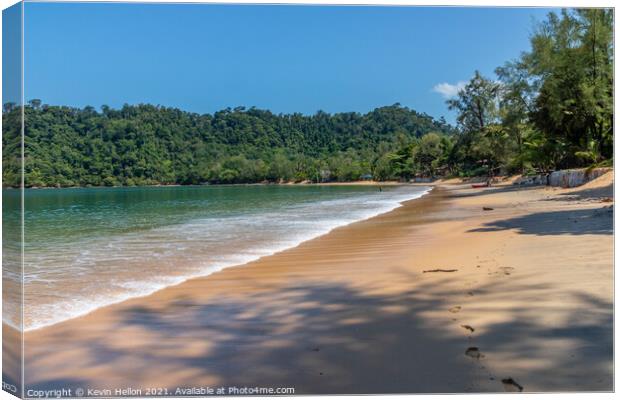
(77, 281)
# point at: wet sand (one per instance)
(523, 291)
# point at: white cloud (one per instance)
(448, 90)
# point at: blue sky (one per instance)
(203, 58)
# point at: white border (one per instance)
(475, 3)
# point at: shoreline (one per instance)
(183, 279)
(354, 311)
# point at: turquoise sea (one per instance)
(89, 247)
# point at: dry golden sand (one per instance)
(354, 312)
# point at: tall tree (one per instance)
(518, 93)
(572, 58)
(477, 110)
(476, 104)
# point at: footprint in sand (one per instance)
(455, 309)
(474, 352)
(468, 328)
(511, 386)
(501, 270)
(506, 270)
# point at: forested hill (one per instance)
(145, 144)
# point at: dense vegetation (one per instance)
(551, 108)
(145, 144)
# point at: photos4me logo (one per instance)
(8, 387)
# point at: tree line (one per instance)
(146, 144)
(552, 108)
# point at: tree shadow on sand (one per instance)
(574, 354)
(598, 221)
(326, 339)
(493, 190)
(595, 194)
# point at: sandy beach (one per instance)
(439, 295)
